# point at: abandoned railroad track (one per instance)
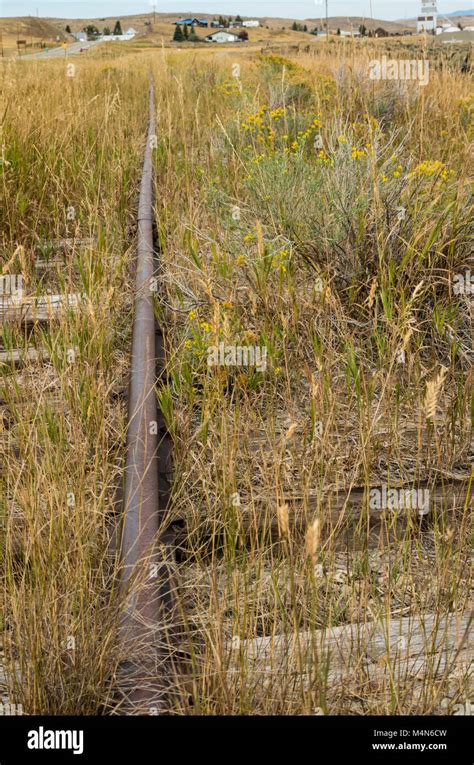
(199, 533)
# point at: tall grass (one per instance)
(313, 213)
(71, 164)
(302, 209)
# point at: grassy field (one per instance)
(71, 164)
(319, 220)
(309, 213)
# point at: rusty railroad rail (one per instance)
(146, 543)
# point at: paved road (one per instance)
(62, 52)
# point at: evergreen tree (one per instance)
(305, 28)
(178, 34)
(68, 29)
(185, 32)
(294, 26)
(221, 21)
(91, 31)
(192, 37)
(117, 28)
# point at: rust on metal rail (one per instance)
(145, 565)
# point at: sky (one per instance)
(380, 9)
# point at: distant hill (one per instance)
(31, 29)
(459, 13)
(354, 22)
(32, 26)
(48, 26)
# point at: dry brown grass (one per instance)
(260, 457)
(264, 242)
(69, 144)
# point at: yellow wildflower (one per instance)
(429, 168)
(357, 153)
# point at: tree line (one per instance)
(92, 31)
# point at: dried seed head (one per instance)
(313, 537)
(260, 240)
(433, 389)
(291, 431)
(373, 290)
(407, 338)
(283, 523)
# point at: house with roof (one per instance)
(128, 35)
(449, 29)
(193, 22)
(222, 36)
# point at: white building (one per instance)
(223, 37)
(128, 35)
(251, 23)
(427, 20)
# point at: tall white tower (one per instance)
(428, 18)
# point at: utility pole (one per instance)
(153, 4)
(327, 23)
